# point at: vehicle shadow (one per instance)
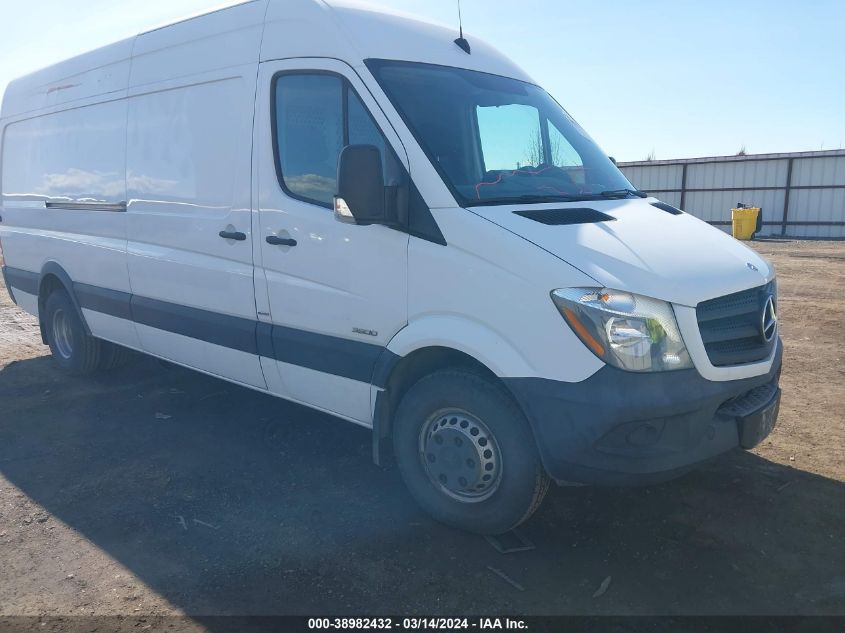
(227, 501)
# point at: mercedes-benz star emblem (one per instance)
(769, 322)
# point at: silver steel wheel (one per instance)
(62, 334)
(460, 455)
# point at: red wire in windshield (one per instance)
(511, 173)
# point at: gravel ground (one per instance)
(153, 491)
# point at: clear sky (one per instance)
(679, 78)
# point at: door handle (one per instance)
(275, 240)
(233, 235)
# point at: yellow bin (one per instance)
(744, 222)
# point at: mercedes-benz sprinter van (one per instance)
(354, 211)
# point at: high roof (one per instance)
(246, 33)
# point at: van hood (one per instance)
(643, 249)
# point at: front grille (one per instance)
(731, 329)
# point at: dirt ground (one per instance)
(155, 490)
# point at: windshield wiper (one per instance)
(560, 197)
(526, 199)
(623, 193)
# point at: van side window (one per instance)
(316, 116)
(309, 128)
(363, 131)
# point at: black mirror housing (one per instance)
(360, 186)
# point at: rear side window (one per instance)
(315, 117)
(75, 156)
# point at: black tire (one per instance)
(73, 350)
(113, 356)
(486, 408)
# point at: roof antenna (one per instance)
(461, 42)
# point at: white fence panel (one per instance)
(801, 194)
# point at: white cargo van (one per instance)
(354, 211)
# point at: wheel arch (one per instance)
(53, 277)
(427, 346)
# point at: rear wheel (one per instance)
(114, 356)
(467, 454)
(73, 350)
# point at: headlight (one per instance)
(625, 330)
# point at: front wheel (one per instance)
(467, 454)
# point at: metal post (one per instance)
(786, 195)
(683, 185)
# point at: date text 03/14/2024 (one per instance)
(417, 624)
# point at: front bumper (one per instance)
(625, 428)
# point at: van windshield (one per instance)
(496, 140)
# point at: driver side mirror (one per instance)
(360, 186)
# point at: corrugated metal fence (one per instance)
(802, 194)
